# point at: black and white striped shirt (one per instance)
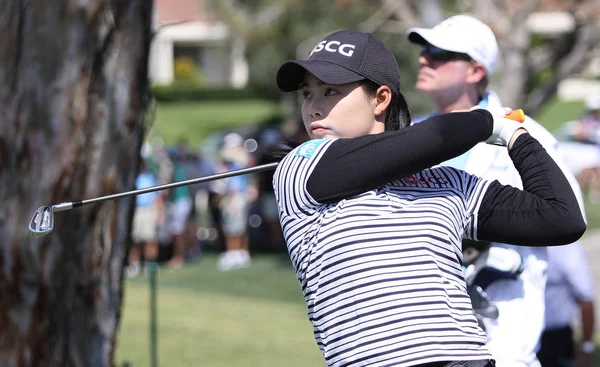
(381, 271)
(378, 258)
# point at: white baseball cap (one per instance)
(461, 33)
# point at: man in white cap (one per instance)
(457, 57)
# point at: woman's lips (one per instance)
(318, 130)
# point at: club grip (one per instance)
(516, 115)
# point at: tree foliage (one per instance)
(276, 31)
(531, 66)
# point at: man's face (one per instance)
(443, 73)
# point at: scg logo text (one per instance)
(345, 49)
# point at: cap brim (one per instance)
(414, 35)
(424, 36)
(291, 74)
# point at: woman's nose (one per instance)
(316, 108)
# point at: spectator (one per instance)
(149, 212)
(587, 128)
(270, 140)
(196, 165)
(160, 163)
(205, 219)
(179, 208)
(234, 204)
(569, 287)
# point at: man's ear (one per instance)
(477, 73)
(383, 98)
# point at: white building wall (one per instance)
(239, 66)
(223, 60)
(161, 61)
(575, 89)
(215, 63)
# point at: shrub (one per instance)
(186, 71)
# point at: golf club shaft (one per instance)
(516, 115)
(218, 176)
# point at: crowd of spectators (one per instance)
(232, 216)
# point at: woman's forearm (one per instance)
(353, 166)
(545, 213)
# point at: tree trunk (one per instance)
(514, 48)
(73, 88)
(431, 12)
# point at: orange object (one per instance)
(516, 115)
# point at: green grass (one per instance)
(248, 317)
(243, 318)
(593, 215)
(196, 120)
(555, 113)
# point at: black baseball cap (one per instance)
(343, 57)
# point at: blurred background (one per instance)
(194, 280)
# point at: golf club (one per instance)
(42, 221)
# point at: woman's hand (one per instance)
(505, 130)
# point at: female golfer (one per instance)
(374, 235)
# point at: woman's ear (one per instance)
(383, 98)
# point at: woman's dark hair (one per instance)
(398, 114)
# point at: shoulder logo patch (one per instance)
(420, 180)
(307, 149)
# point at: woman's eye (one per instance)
(331, 92)
(305, 94)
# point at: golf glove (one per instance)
(503, 129)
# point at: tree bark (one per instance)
(514, 48)
(73, 88)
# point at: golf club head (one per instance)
(42, 222)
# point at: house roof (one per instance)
(180, 11)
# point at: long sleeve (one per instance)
(546, 212)
(352, 166)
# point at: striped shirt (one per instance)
(381, 271)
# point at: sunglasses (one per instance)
(438, 54)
